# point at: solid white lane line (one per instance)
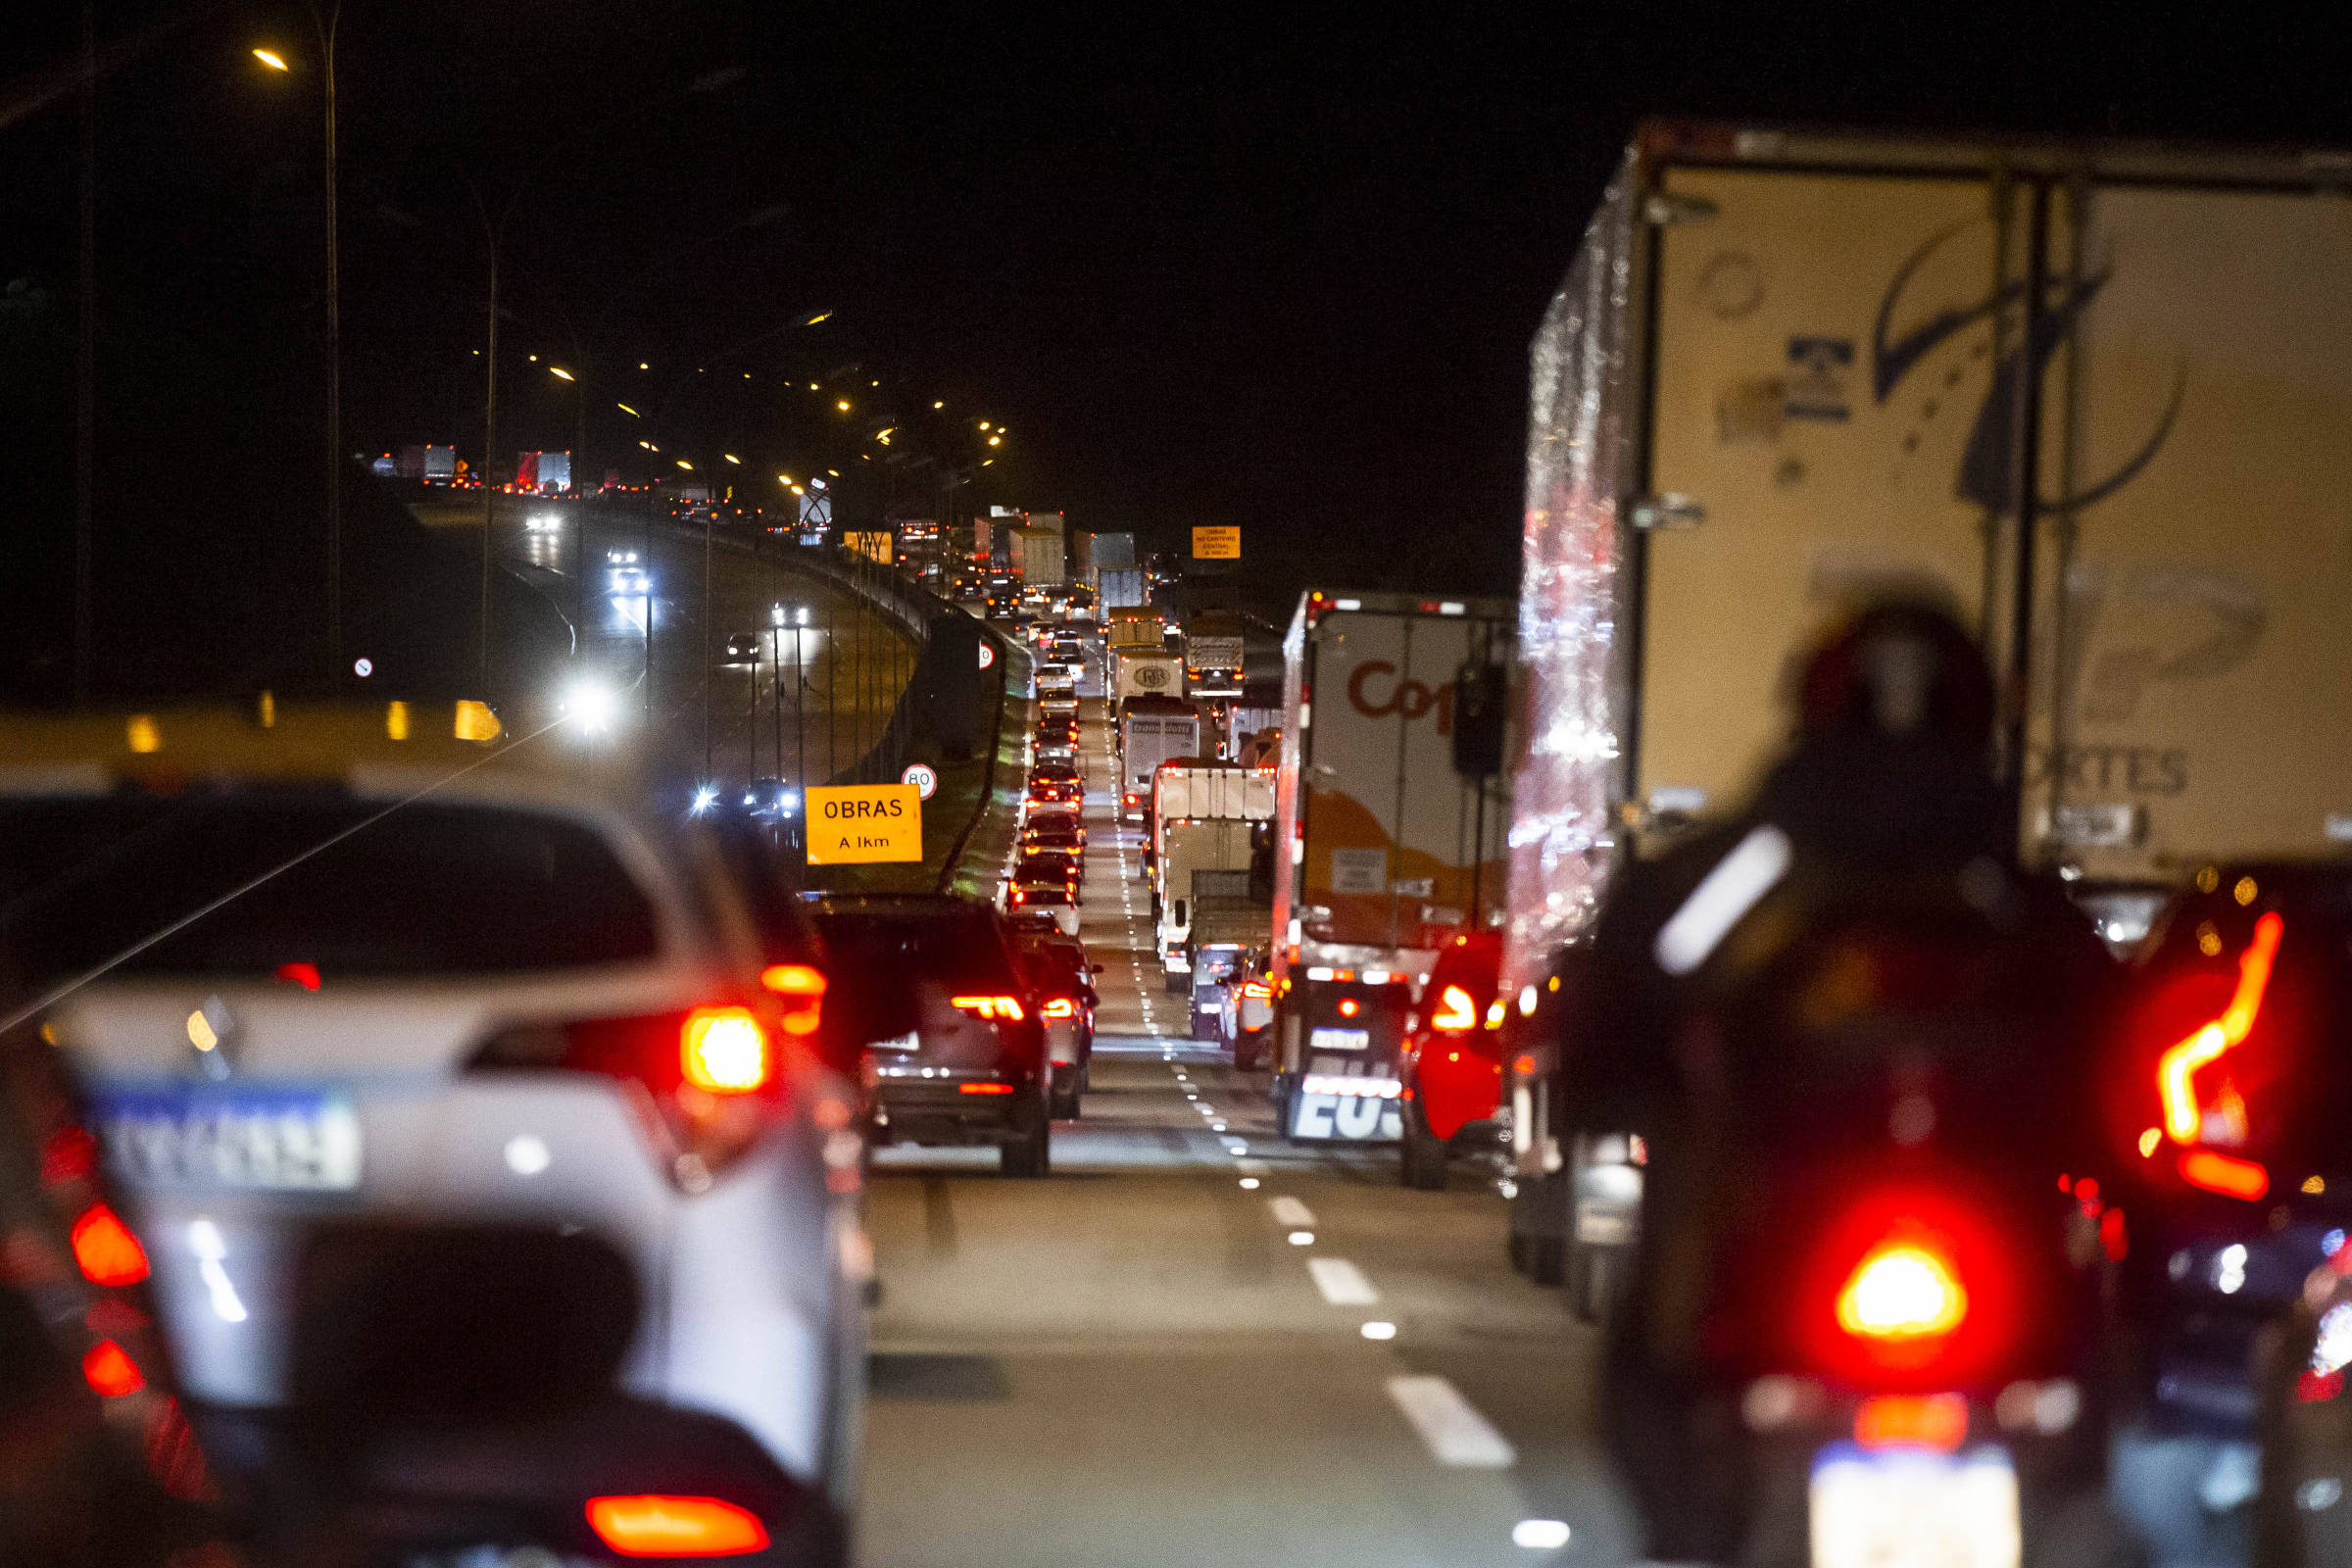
(1456, 1435)
(1288, 1210)
(1342, 1283)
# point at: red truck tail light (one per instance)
(2176, 1071)
(657, 1525)
(1456, 1013)
(1005, 1007)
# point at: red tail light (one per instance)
(1005, 1007)
(984, 1089)
(725, 1051)
(1259, 990)
(1902, 1291)
(2176, 1072)
(712, 1073)
(107, 1254)
(1456, 1013)
(657, 1526)
(1061, 1007)
(109, 1371)
(803, 992)
(2221, 1173)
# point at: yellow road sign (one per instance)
(849, 823)
(1216, 544)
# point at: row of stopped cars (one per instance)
(446, 1153)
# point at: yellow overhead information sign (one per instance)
(849, 823)
(1216, 544)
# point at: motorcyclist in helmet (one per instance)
(1751, 1002)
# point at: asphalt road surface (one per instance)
(1195, 1344)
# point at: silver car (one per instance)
(343, 973)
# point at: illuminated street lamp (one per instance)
(326, 21)
(558, 371)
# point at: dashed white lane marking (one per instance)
(1456, 1435)
(1342, 1283)
(1288, 1210)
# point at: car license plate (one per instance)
(1914, 1508)
(1341, 1040)
(290, 1140)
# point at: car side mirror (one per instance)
(1093, 968)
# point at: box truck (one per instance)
(1390, 820)
(1206, 817)
(1150, 730)
(1212, 654)
(2090, 396)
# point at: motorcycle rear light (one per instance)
(1937, 1421)
(109, 1371)
(1456, 1013)
(1005, 1007)
(1902, 1291)
(984, 1089)
(724, 1051)
(106, 1251)
(657, 1525)
(803, 990)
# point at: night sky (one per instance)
(1261, 267)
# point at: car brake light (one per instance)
(804, 987)
(1258, 990)
(710, 1073)
(1902, 1291)
(2176, 1072)
(657, 1526)
(1456, 1013)
(109, 1371)
(725, 1051)
(107, 1254)
(984, 1089)
(1061, 1007)
(1006, 1008)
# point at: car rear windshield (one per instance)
(951, 944)
(431, 889)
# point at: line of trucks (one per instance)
(2089, 397)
